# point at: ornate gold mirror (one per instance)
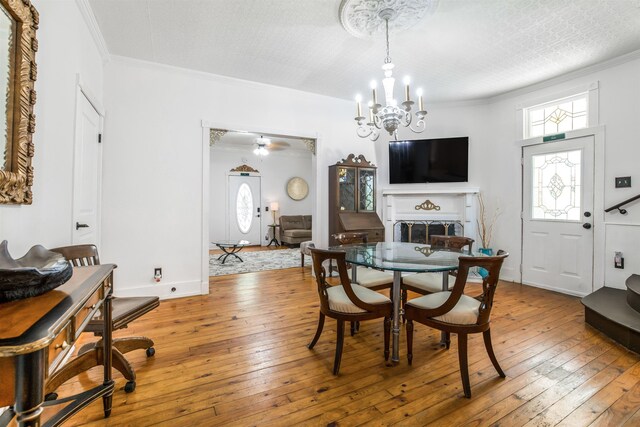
(18, 45)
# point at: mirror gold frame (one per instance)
(16, 175)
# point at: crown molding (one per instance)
(94, 29)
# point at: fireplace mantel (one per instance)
(453, 204)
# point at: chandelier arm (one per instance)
(419, 127)
(364, 131)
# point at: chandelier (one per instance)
(261, 146)
(390, 116)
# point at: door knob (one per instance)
(586, 225)
(79, 226)
(587, 214)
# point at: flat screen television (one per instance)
(429, 160)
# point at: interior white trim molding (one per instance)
(598, 133)
(90, 95)
(90, 19)
(316, 159)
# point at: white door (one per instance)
(557, 220)
(87, 173)
(244, 208)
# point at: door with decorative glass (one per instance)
(557, 232)
(244, 208)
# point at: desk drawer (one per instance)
(375, 236)
(89, 310)
(60, 346)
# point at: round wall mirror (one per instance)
(297, 188)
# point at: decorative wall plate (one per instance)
(297, 188)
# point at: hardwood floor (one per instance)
(238, 357)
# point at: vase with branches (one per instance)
(486, 222)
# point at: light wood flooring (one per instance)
(238, 357)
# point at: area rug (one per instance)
(256, 261)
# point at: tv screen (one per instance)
(429, 160)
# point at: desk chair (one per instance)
(124, 310)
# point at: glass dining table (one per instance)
(401, 257)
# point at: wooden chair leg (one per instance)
(403, 302)
(464, 367)
(410, 341)
(127, 344)
(339, 342)
(122, 365)
(387, 335)
(447, 340)
(487, 343)
(87, 347)
(353, 328)
(301, 259)
(318, 332)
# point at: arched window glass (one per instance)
(244, 208)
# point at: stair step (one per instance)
(633, 292)
(607, 310)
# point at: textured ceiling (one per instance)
(464, 49)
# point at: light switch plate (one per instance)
(623, 181)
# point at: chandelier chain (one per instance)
(387, 60)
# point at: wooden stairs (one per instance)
(616, 312)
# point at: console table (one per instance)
(36, 335)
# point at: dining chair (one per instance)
(346, 302)
(427, 283)
(368, 277)
(124, 311)
(454, 312)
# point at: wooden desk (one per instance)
(35, 336)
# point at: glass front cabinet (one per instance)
(352, 199)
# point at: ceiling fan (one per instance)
(264, 145)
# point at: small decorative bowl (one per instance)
(39, 271)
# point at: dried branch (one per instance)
(485, 226)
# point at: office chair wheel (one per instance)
(51, 396)
(130, 386)
(151, 351)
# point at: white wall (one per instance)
(66, 49)
(276, 170)
(153, 162)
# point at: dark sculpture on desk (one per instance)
(39, 271)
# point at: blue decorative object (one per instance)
(489, 252)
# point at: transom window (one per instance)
(557, 116)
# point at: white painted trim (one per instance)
(566, 93)
(549, 288)
(162, 290)
(598, 133)
(90, 95)
(206, 167)
(90, 19)
(463, 190)
(294, 153)
(204, 244)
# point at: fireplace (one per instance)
(420, 231)
(412, 215)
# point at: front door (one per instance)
(87, 173)
(557, 232)
(244, 208)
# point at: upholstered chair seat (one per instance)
(465, 312)
(339, 300)
(427, 282)
(371, 278)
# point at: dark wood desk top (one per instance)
(32, 323)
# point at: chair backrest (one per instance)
(319, 256)
(348, 238)
(451, 242)
(80, 255)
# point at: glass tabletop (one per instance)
(400, 256)
(231, 243)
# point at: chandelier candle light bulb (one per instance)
(359, 108)
(420, 104)
(407, 80)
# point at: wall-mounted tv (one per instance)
(429, 160)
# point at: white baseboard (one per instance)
(162, 290)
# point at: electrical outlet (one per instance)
(623, 181)
(157, 274)
(618, 260)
